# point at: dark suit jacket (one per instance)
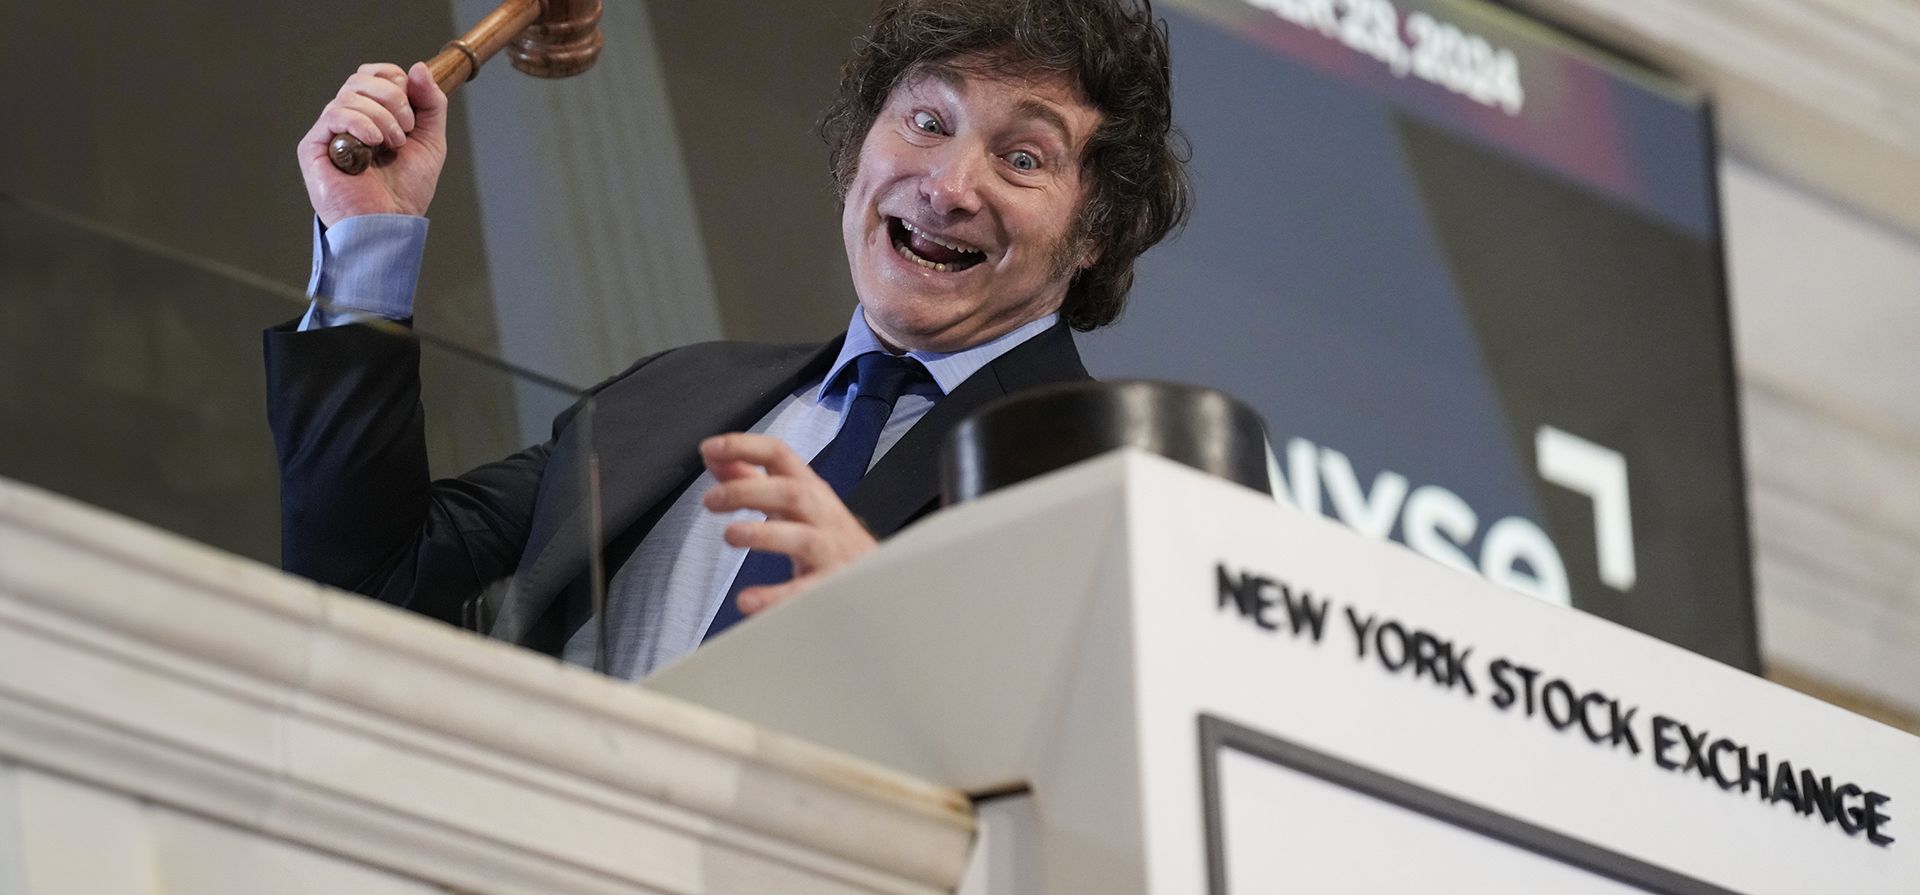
(358, 510)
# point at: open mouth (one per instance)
(930, 252)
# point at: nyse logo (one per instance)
(1440, 524)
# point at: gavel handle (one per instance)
(457, 62)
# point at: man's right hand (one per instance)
(402, 116)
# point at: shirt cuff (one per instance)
(365, 267)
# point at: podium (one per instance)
(1123, 677)
(1157, 682)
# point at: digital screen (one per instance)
(1478, 298)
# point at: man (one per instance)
(1001, 165)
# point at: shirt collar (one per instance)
(948, 368)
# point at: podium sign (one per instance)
(1288, 812)
(1206, 690)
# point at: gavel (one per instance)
(544, 38)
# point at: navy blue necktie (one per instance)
(880, 380)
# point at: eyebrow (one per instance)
(1045, 114)
(1028, 108)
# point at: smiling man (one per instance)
(1002, 163)
(961, 218)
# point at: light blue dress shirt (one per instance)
(364, 268)
(662, 598)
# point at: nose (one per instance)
(954, 179)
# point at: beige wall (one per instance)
(1827, 325)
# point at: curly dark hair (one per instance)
(1113, 50)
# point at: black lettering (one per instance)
(1303, 612)
(1875, 820)
(1458, 667)
(1245, 595)
(1784, 787)
(1263, 588)
(1713, 763)
(1816, 793)
(1360, 629)
(1250, 596)
(1755, 771)
(1426, 656)
(1527, 676)
(1586, 717)
(1662, 738)
(1503, 695)
(1380, 645)
(1851, 816)
(1696, 751)
(1623, 727)
(1562, 719)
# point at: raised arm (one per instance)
(358, 510)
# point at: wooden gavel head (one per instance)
(544, 38)
(564, 40)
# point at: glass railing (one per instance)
(132, 379)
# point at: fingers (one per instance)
(429, 102)
(723, 459)
(399, 113)
(764, 451)
(805, 519)
(761, 597)
(729, 470)
(335, 120)
(386, 70)
(815, 549)
(780, 497)
(797, 540)
(385, 126)
(377, 105)
(366, 119)
(380, 99)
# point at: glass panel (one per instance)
(132, 378)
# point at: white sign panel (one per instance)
(1286, 818)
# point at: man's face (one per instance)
(959, 222)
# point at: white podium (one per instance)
(1147, 681)
(1161, 683)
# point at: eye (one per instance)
(925, 122)
(1023, 160)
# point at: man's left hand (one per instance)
(805, 519)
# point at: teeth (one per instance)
(908, 254)
(958, 247)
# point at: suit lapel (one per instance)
(646, 427)
(906, 481)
